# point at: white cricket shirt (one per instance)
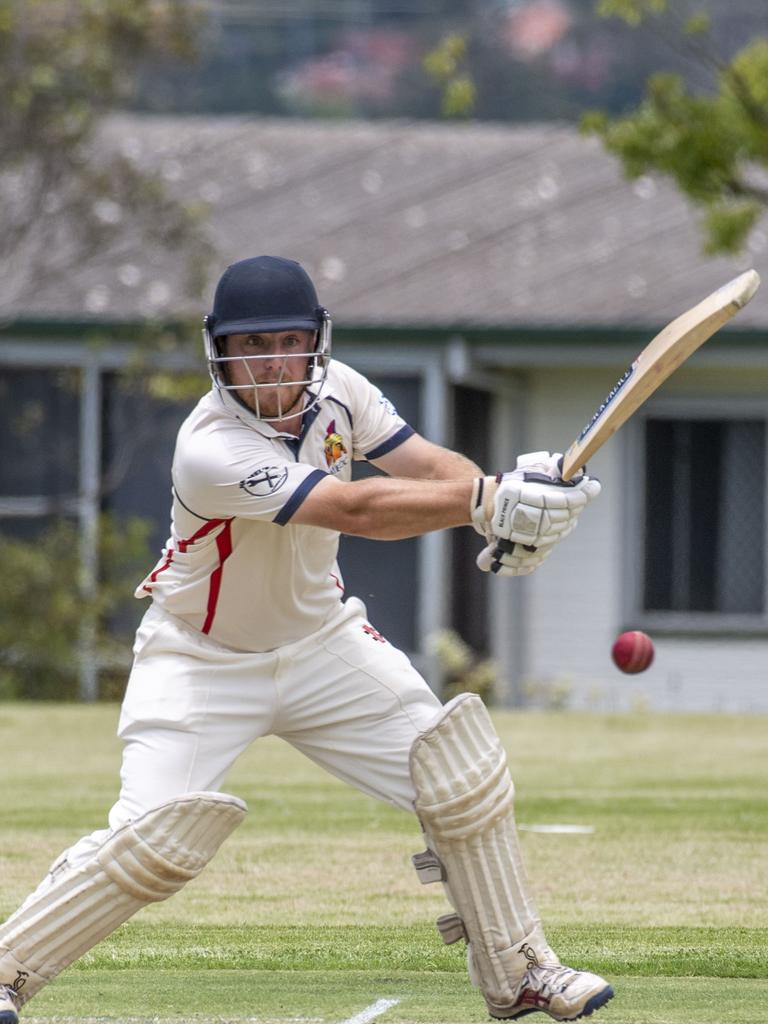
(235, 567)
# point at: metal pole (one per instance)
(434, 562)
(89, 505)
(508, 604)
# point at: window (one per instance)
(39, 424)
(138, 439)
(704, 515)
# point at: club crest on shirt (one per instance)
(336, 457)
(265, 480)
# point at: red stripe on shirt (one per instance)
(183, 545)
(224, 545)
(202, 532)
(159, 569)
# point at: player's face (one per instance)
(283, 362)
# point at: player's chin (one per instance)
(274, 402)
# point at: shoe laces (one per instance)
(550, 979)
(11, 993)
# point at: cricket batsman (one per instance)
(248, 633)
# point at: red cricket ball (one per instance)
(632, 652)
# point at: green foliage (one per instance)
(745, 84)
(43, 607)
(459, 97)
(64, 62)
(698, 24)
(176, 387)
(63, 65)
(463, 671)
(446, 65)
(444, 61)
(631, 11)
(709, 143)
(728, 224)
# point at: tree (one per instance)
(63, 190)
(712, 141)
(42, 609)
(702, 120)
(68, 192)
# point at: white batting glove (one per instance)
(532, 506)
(505, 558)
(544, 463)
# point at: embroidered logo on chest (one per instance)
(336, 457)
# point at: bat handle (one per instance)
(569, 469)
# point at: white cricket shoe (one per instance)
(560, 991)
(8, 1005)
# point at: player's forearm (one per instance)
(391, 509)
(384, 508)
(449, 465)
(419, 459)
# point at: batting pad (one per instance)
(145, 861)
(464, 802)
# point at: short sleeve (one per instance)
(243, 478)
(378, 427)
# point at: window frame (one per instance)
(698, 407)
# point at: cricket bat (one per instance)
(658, 360)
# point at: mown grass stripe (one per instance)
(606, 949)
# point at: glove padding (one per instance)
(532, 506)
(505, 558)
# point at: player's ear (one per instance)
(220, 347)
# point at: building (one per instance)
(496, 281)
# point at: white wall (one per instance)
(576, 604)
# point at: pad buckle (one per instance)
(451, 928)
(429, 867)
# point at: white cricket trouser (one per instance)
(343, 696)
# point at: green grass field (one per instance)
(311, 912)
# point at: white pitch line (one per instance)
(372, 1011)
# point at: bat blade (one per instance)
(658, 360)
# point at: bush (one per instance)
(463, 671)
(43, 608)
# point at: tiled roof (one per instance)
(424, 224)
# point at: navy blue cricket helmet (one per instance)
(261, 295)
